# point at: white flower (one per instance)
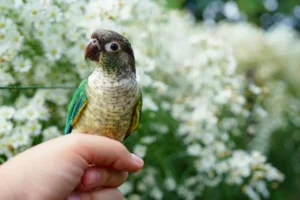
(83, 70)
(260, 112)
(6, 78)
(141, 186)
(222, 167)
(29, 112)
(191, 181)
(207, 138)
(224, 96)
(53, 14)
(31, 12)
(251, 193)
(20, 140)
(234, 178)
(148, 103)
(148, 140)
(261, 187)
(231, 10)
(21, 65)
(39, 98)
(43, 113)
(170, 183)
(161, 128)
(257, 158)
(229, 123)
(219, 147)
(52, 50)
(134, 197)
(5, 126)
(165, 105)
(9, 36)
(160, 86)
(156, 193)
(273, 174)
(194, 149)
(213, 180)
(50, 133)
(149, 180)
(205, 163)
(240, 163)
(125, 13)
(140, 150)
(58, 97)
(7, 112)
(32, 127)
(185, 193)
(4, 147)
(125, 188)
(255, 89)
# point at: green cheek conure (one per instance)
(109, 101)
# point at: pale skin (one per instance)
(73, 167)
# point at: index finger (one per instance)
(104, 152)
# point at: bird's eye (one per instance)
(112, 47)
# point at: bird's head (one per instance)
(111, 51)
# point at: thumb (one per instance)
(103, 152)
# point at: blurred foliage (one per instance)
(284, 152)
(263, 13)
(279, 78)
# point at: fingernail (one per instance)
(74, 196)
(137, 159)
(93, 177)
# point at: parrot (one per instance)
(109, 102)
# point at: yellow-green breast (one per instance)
(111, 101)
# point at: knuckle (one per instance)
(75, 143)
(122, 151)
(74, 140)
(120, 146)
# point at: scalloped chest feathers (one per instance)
(111, 100)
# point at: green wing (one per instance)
(136, 116)
(76, 106)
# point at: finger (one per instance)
(104, 152)
(101, 177)
(104, 194)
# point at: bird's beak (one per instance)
(92, 50)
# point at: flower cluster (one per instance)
(269, 59)
(195, 101)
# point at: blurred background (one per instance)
(220, 79)
(264, 13)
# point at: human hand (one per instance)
(69, 167)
